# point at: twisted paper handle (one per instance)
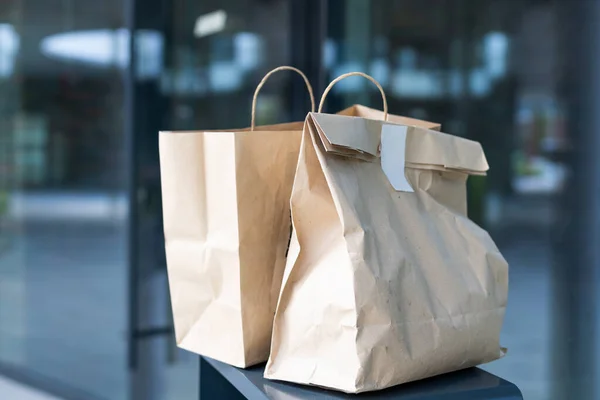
(339, 78)
(264, 80)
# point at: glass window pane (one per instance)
(62, 195)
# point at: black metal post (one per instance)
(308, 22)
(132, 172)
(149, 330)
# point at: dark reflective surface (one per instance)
(472, 383)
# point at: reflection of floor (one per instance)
(64, 313)
(14, 390)
(70, 281)
(526, 327)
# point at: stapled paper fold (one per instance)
(393, 151)
(358, 110)
(425, 148)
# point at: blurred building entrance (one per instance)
(84, 302)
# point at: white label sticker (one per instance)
(393, 149)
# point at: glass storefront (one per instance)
(84, 305)
(62, 183)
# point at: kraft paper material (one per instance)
(226, 200)
(381, 286)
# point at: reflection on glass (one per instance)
(107, 48)
(62, 202)
(210, 23)
(9, 46)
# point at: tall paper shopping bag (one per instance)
(227, 223)
(387, 281)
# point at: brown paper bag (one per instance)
(387, 281)
(227, 223)
(358, 110)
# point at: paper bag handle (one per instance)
(264, 80)
(339, 78)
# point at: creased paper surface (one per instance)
(226, 199)
(384, 287)
(227, 222)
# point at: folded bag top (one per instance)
(360, 137)
(387, 280)
(358, 110)
(227, 221)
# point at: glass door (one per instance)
(207, 61)
(63, 204)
